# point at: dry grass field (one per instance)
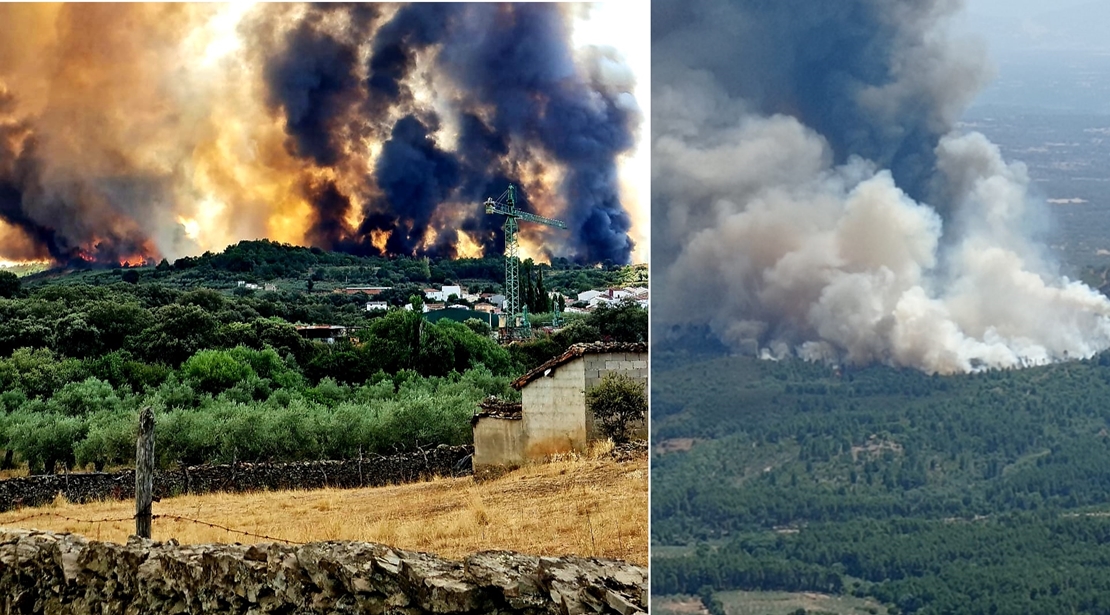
(14, 473)
(586, 505)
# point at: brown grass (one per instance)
(574, 505)
(14, 473)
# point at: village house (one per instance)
(444, 293)
(552, 416)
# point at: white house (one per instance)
(377, 306)
(443, 293)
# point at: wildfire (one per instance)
(379, 239)
(191, 226)
(224, 136)
(135, 260)
(466, 246)
(6, 264)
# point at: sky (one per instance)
(1011, 27)
(1048, 56)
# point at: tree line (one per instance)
(230, 376)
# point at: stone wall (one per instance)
(368, 472)
(66, 574)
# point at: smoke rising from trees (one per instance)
(810, 196)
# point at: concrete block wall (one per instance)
(631, 364)
(555, 411)
(498, 442)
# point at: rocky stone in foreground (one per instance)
(45, 572)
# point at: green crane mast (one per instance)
(516, 326)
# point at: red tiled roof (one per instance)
(575, 351)
(496, 408)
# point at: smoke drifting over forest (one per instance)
(810, 197)
(132, 132)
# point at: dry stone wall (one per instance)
(66, 574)
(368, 472)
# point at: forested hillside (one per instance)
(228, 374)
(977, 493)
(312, 269)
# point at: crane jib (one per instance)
(516, 326)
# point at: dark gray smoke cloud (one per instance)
(522, 64)
(314, 80)
(129, 132)
(510, 78)
(808, 190)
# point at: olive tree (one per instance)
(617, 403)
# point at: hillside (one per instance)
(931, 494)
(293, 267)
(230, 375)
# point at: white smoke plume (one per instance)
(785, 241)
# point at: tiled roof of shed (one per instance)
(494, 407)
(575, 351)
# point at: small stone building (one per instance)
(552, 416)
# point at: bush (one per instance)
(617, 403)
(479, 327)
(110, 441)
(9, 284)
(85, 398)
(44, 439)
(214, 371)
(37, 373)
(186, 437)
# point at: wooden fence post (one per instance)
(144, 473)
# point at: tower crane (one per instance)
(517, 326)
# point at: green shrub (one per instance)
(186, 437)
(175, 394)
(85, 398)
(328, 392)
(214, 371)
(44, 439)
(110, 440)
(617, 402)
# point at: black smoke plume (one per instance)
(511, 78)
(131, 132)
